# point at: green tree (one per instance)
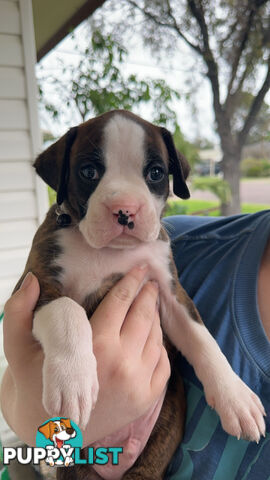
(95, 84)
(231, 41)
(260, 131)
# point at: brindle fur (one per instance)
(44, 251)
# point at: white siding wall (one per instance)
(23, 199)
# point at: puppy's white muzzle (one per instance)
(120, 220)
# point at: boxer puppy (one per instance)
(111, 175)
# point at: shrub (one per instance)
(175, 207)
(255, 167)
(216, 185)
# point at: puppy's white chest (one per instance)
(84, 268)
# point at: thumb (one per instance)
(18, 312)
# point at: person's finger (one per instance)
(116, 303)
(139, 320)
(18, 316)
(161, 373)
(154, 340)
(153, 346)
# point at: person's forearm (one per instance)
(7, 397)
(22, 413)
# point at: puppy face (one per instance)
(118, 179)
(129, 174)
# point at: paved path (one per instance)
(252, 191)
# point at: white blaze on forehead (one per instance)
(122, 185)
(124, 144)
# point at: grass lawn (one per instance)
(255, 179)
(200, 207)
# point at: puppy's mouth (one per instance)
(59, 442)
(124, 240)
(124, 236)
(122, 228)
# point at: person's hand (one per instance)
(21, 388)
(133, 367)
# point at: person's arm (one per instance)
(133, 366)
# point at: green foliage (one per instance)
(192, 207)
(230, 40)
(48, 137)
(96, 84)
(260, 130)
(215, 185)
(52, 196)
(188, 149)
(175, 207)
(254, 207)
(255, 167)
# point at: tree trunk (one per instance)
(231, 172)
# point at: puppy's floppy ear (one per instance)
(178, 166)
(53, 164)
(66, 422)
(45, 429)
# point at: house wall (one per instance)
(23, 198)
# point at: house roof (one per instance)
(54, 20)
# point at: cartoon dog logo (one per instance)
(58, 432)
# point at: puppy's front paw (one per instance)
(241, 411)
(70, 386)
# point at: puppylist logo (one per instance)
(59, 437)
(59, 441)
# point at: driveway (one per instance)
(252, 191)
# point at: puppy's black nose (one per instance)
(122, 218)
(70, 430)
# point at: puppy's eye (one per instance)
(155, 174)
(89, 172)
